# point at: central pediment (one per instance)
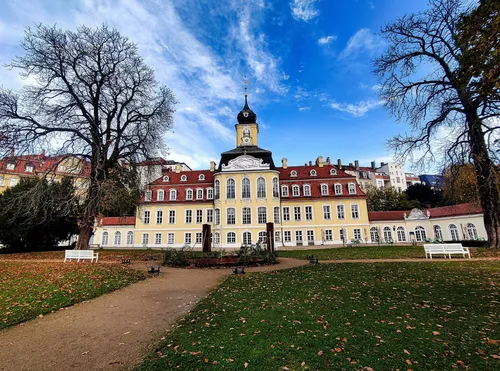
(245, 162)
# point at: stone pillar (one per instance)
(270, 236)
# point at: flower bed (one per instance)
(225, 261)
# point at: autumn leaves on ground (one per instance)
(29, 289)
(366, 316)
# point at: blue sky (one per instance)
(308, 63)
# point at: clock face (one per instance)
(246, 140)
(245, 114)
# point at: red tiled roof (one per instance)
(437, 212)
(192, 178)
(41, 164)
(116, 220)
(455, 210)
(303, 172)
(387, 215)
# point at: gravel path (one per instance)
(113, 331)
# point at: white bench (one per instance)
(81, 255)
(446, 249)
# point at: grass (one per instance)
(374, 252)
(104, 255)
(371, 316)
(30, 289)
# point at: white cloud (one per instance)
(327, 39)
(363, 41)
(357, 109)
(302, 109)
(304, 10)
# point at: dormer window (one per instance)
(333, 172)
(324, 189)
(160, 196)
(307, 190)
(313, 173)
(10, 165)
(173, 195)
(295, 191)
(284, 191)
(189, 194)
(29, 168)
(166, 179)
(352, 188)
(293, 174)
(184, 178)
(201, 177)
(199, 194)
(338, 189)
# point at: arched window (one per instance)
(454, 232)
(293, 174)
(217, 189)
(387, 234)
(166, 179)
(160, 196)
(118, 239)
(199, 194)
(105, 237)
(261, 215)
(217, 216)
(313, 173)
(333, 172)
(247, 238)
(230, 189)
(216, 238)
(246, 131)
(201, 177)
(307, 190)
(420, 235)
(276, 192)
(245, 188)
(284, 191)
(324, 190)
(338, 189)
(262, 237)
(231, 237)
(231, 215)
(438, 233)
(471, 231)
(130, 238)
(276, 215)
(352, 188)
(246, 215)
(173, 195)
(184, 178)
(374, 234)
(295, 191)
(401, 234)
(189, 194)
(261, 188)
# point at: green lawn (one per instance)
(378, 316)
(374, 252)
(30, 289)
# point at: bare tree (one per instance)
(92, 96)
(426, 81)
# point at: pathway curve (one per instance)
(113, 331)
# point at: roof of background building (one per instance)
(116, 220)
(42, 164)
(431, 180)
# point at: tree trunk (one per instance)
(91, 207)
(487, 182)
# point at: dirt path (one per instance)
(406, 260)
(111, 332)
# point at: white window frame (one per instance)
(287, 236)
(295, 190)
(159, 216)
(351, 187)
(184, 178)
(276, 187)
(261, 187)
(199, 216)
(341, 212)
(145, 239)
(146, 217)
(246, 188)
(327, 212)
(324, 189)
(117, 241)
(308, 212)
(171, 217)
(306, 188)
(210, 216)
(189, 194)
(170, 238)
(231, 237)
(188, 216)
(338, 189)
(199, 193)
(284, 191)
(297, 214)
(355, 211)
(105, 238)
(246, 219)
(328, 235)
(262, 215)
(286, 213)
(173, 195)
(157, 238)
(230, 189)
(231, 216)
(333, 172)
(357, 234)
(276, 215)
(210, 193)
(188, 238)
(160, 195)
(130, 238)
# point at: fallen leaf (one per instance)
(320, 353)
(491, 341)
(435, 332)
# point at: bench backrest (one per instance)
(79, 253)
(445, 247)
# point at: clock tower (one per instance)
(247, 128)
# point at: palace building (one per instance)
(316, 204)
(309, 205)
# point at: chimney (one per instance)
(177, 168)
(356, 164)
(373, 165)
(350, 164)
(11, 152)
(339, 163)
(284, 163)
(212, 166)
(310, 163)
(328, 160)
(382, 164)
(319, 161)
